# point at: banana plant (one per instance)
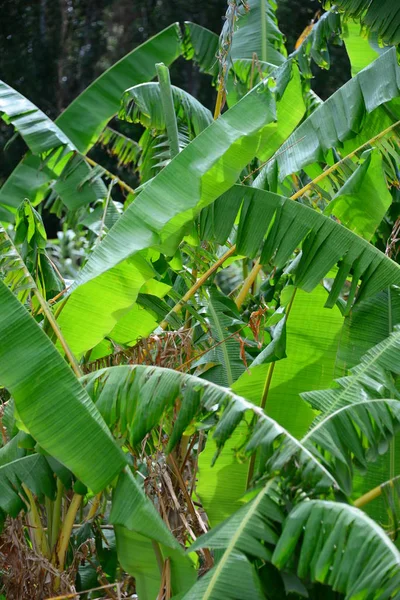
(214, 398)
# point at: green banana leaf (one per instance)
(349, 553)
(142, 104)
(359, 48)
(83, 121)
(256, 31)
(310, 363)
(139, 531)
(250, 533)
(361, 203)
(381, 17)
(273, 226)
(201, 45)
(168, 204)
(132, 400)
(50, 144)
(32, 471)
(50, 401)
(343, 116)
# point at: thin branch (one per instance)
(121, 183)
(374, 493)
(198, 284)
(340, 162)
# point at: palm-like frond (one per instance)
(132, 399)
(48, 142)
(340, 546)
(273, 226)
(356, 421)
(256, 31)
(13, 269)
(162, 212)
(377, 16)
(122, 147)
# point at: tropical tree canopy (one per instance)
(200, 372)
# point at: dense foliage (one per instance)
(200, 374)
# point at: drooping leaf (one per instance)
(225, 357)
(47, 141)
(273, 226)
(138, 529)
(249, 532)
(338, 545)
(360, 48)
(201, 45)
(137, 397)
(309, 363)
(17, 468)
(363, 422)
(364, 199)
(379, 17)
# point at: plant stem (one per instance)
(198, 284)
(374, 493)
(49, 506)
(248, 283)
(263, 18)
(37, 533)
(66, 530)
(94, 507)
(113, 177)
(167, 102)
(220, 98)
(54, 325)
(55, 526)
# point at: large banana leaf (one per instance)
(322, 541)
(83, 121)
(309, 364)
(381, 17)
(257, 31)
(343, 116)
(339, 546)
(132, 400)
(350, 437)
(358, 45)
(273, 226)
(251, 532)
(201, 45)
(47, 141)
(362, 202)
(34, 472)
(142, 104)
(50, 401)
(369, 323)
(168, 204)
(225, 358)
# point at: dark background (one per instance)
(50, 50)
